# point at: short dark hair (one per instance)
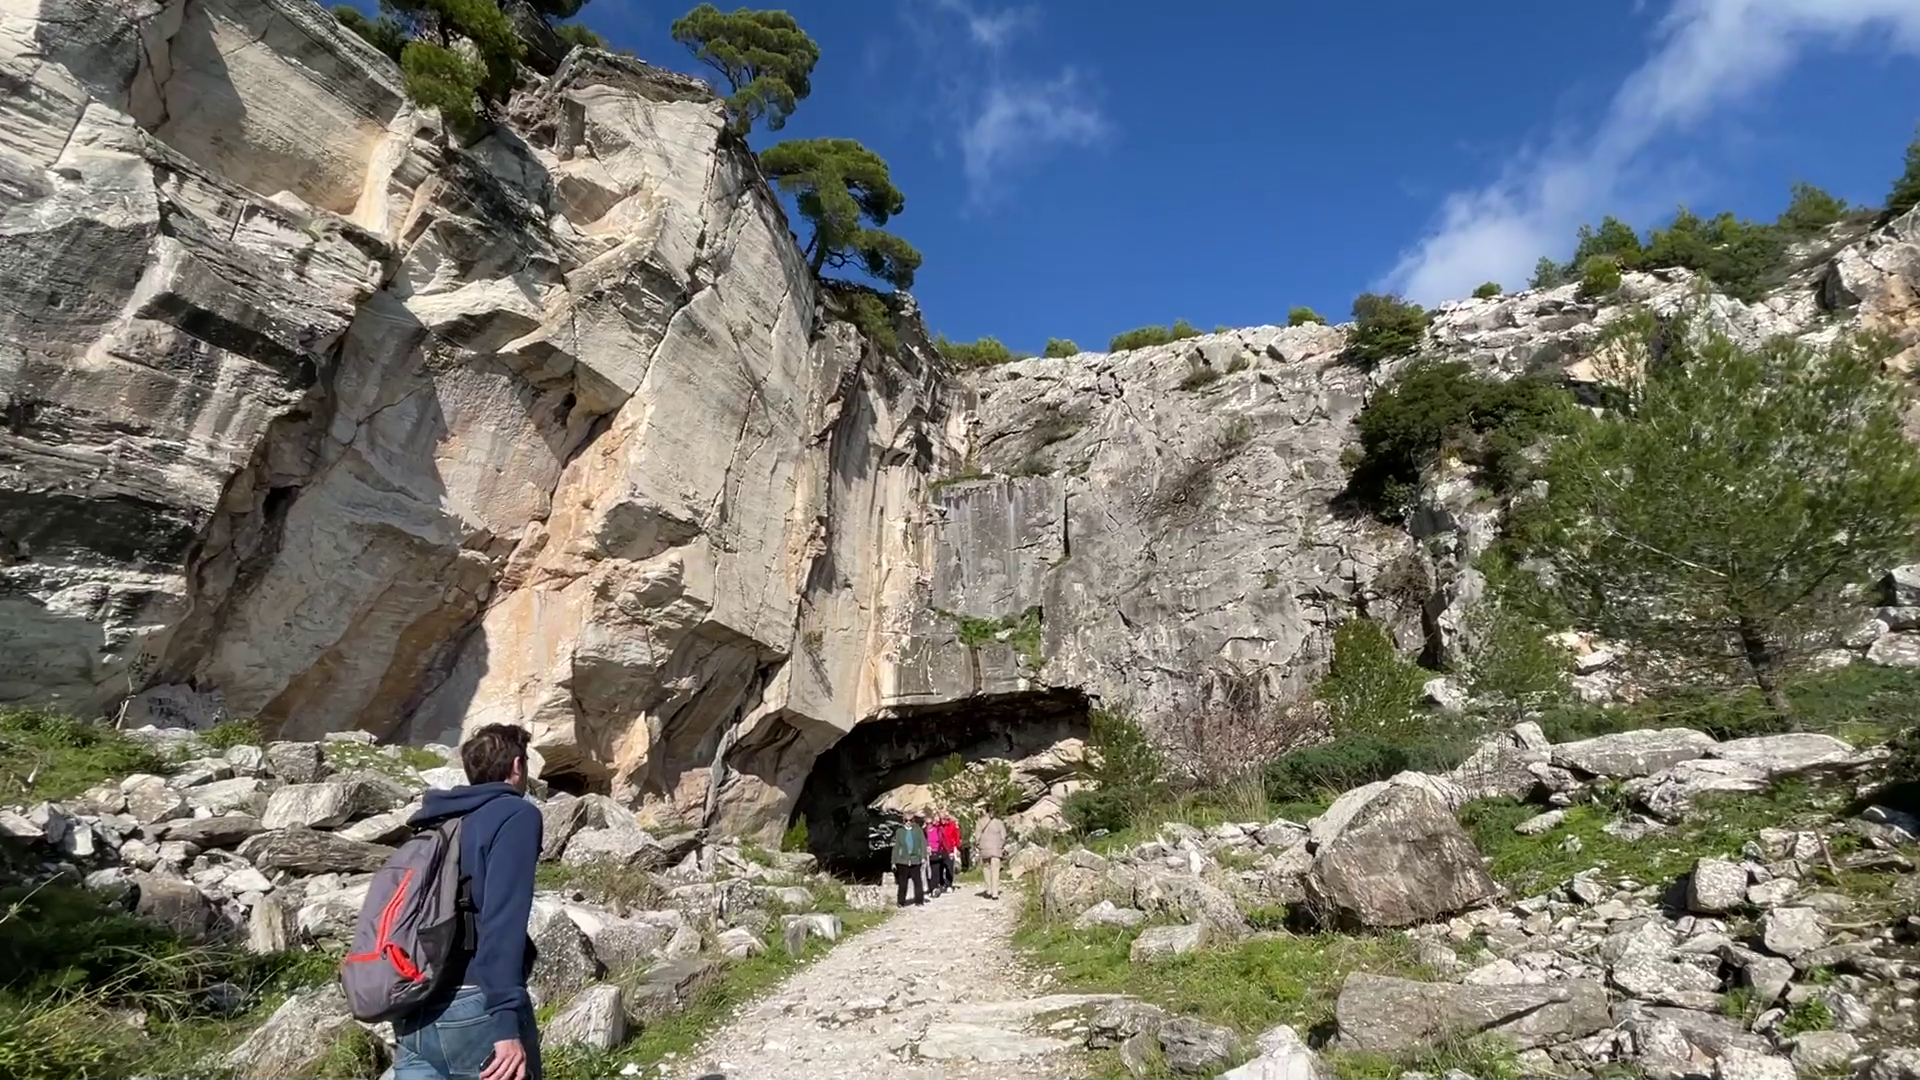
(489, 753)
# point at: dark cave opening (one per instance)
(902, 748)
(573, 783)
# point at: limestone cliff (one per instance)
(317, 416)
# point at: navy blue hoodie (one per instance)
(499, 848)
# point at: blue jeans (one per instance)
(455, 1042)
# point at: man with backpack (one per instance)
(442, 948)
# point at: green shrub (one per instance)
(1487, 290)
(1811, 210)
(796, 835)
(1614, 240)
(1741, 258)
(986, 352)
(870, 313)
(1438, 407)
(1092, 810)
(1599, 277)
(1906, 190)
(1060, 347)
(1149, 336)
(1302, 316)
(231, 733)
(578, 35)
(62, 755)
(1548, 274)
(1369, 688)
(1128, 771)
(1384, 327)
(382, 33)
(1513, 666)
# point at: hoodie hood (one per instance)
(439, 805)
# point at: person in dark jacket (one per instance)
(484, 1028)
(909, 856)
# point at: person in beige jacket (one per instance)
(990, 844)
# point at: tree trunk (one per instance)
(1764, 662)
(816, 254)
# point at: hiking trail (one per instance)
(933, 993)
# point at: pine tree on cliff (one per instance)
(425, 36)
(837, 183)
(1719, 516)
(765, 57)
(1906, 190)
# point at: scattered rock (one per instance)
(796, 929)
(1738, 1064)
(1791, 931)
(296, 762)
(1542, 823)
(1195, 1047)
(1716, 886)
(667, 986)
(1385, 1014)
(310, 851)
(1122, 1020)
(298, 1035)
(596, 1017)
(739, 943)
(1159, 942)
(178, 905)
(1824, 1052)
(330, 804)
(1627, 754)
(1105, 913)
(220, 831)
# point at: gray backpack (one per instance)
(417, 919)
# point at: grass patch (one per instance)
(228, 734)
(393, 760)
(621, 888)
(1484, 1057)
(960, 476)
(69, 960)
(49, 755)
(1022, 632)
(1862, 703)
(1718, 827)
(1249, 987)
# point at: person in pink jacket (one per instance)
(939, 878)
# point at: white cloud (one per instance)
(1001, 116)
(1709, 54)
(1011, 120)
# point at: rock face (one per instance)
(316, 416)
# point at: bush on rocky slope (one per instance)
(49, 755)
(1385, 327)
(1149, 336)
(1438, 409)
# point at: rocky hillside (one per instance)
(320, 419)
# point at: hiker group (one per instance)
(926, 854)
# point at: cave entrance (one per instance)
(887, 759)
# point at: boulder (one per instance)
(296, 762)
(1388, 1015)
(1105, 913)
(1397, 860)
(1189, 899)
(1627, 754)
(296, 1038)
(242, 794)
(1791, 931)
(151, 800)
(596, 1017)
(269, 928)
(1121, 1020)
(560, 817)
(1283, 1056)
(620, 845)
(388, 828)
(1737, 1064)
(331, 803)
(1790, 753)
(178, 905)
(220, 831)
(564, 963)
(1895, 650)
(310, 851)
(1895, 1064)
(738, 943)
(1160, 942)
(1669, 793)
(1066, 889)
(1716, 886)
(1824, 1052)
(796, 929)
(668, 986)
(1194, 1047)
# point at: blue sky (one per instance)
(1076, 168)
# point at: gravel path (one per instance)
(934, 993)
